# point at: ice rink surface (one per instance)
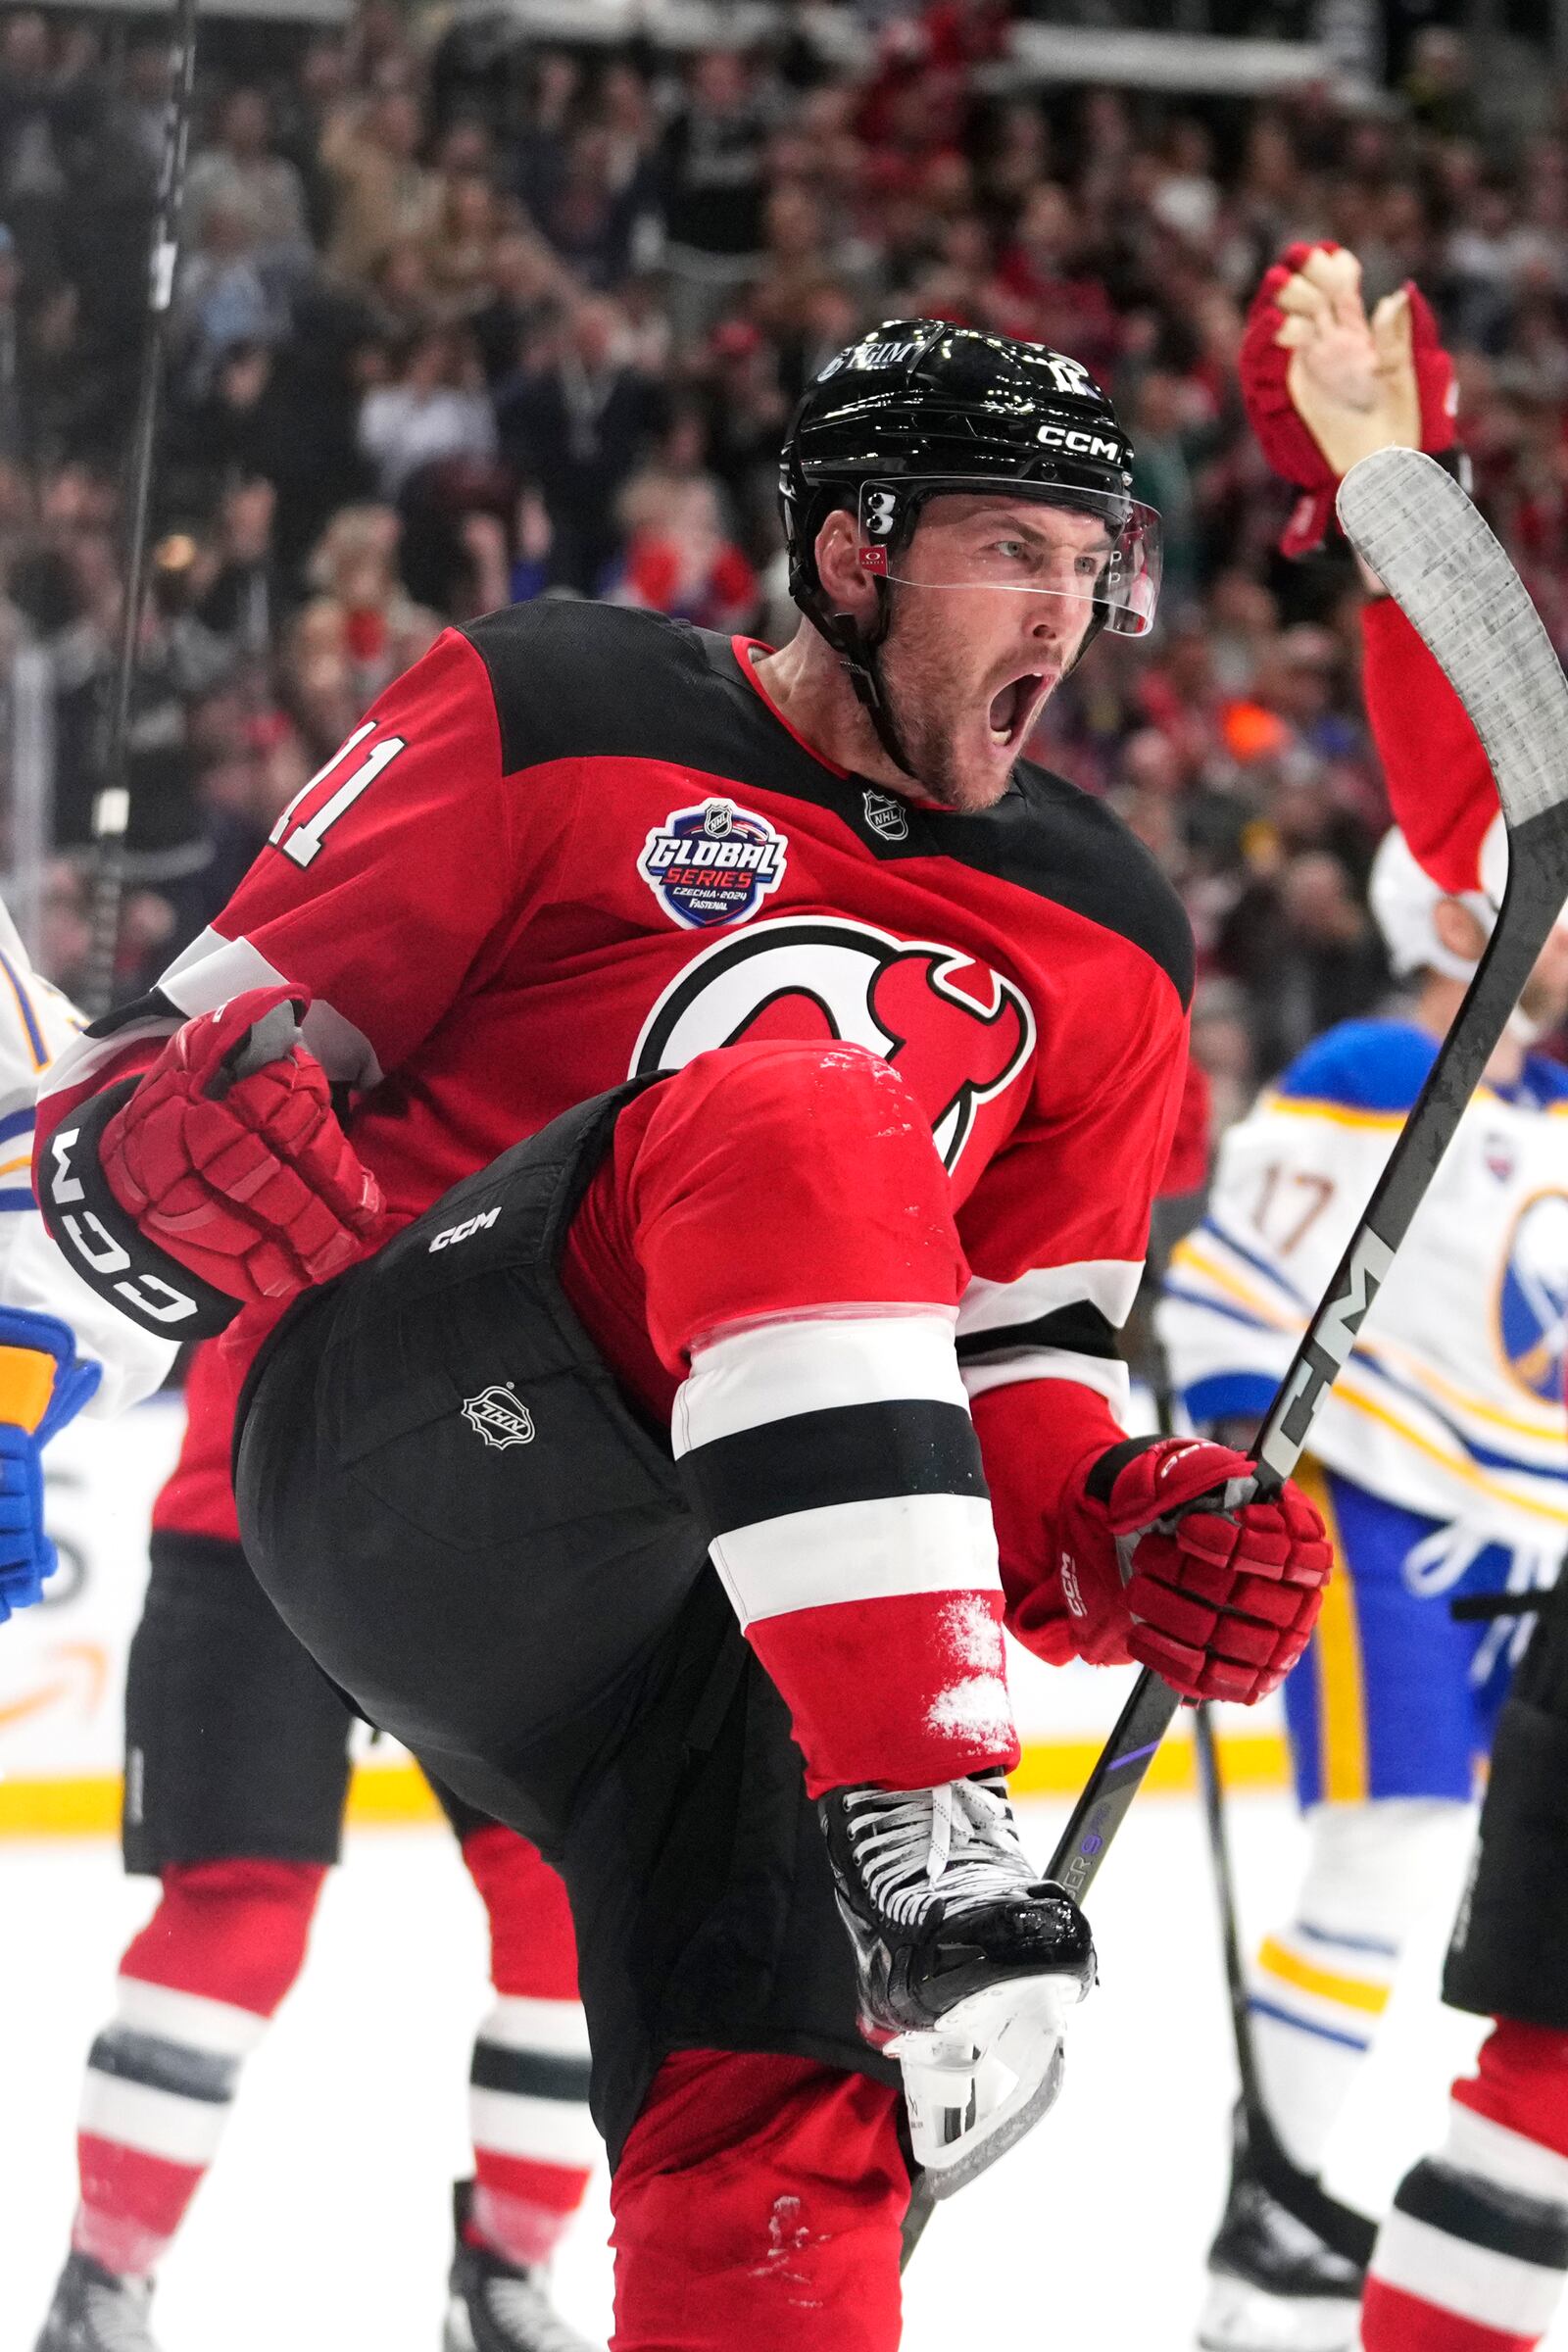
(325, 2225)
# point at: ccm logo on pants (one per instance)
(462, 1233)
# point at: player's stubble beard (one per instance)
(938, 682)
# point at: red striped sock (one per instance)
(1474, 2255)
(534, 2141)
(195, 1991)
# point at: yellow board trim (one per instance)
(1337, 1643)
(395, 1795)
(1352, 1992)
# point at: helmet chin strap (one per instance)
(857, 649)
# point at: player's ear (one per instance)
(837, 544)
(1458, 929)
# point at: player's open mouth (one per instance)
(1014, 709)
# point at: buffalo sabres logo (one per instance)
(713, 864)
(957, 1032)
(500, 1418)
(1533, 1300)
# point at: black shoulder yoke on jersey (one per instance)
(582, 682)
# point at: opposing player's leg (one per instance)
(237, 1771)
(534, 2140)
(1474, 2255)
(1384, 1733)
(496, 1555)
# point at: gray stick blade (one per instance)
(1415, 528)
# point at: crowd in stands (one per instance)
(461, 319)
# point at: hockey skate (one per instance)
(967, 1962)
(499, 2306)
(94, 2311)
(1274, 2285)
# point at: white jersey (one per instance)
(35, 1022)
(1452, 1403)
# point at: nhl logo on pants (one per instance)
(500, 1418)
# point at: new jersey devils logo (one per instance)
(957, 1032)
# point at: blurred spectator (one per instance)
(381, 193)
(435, 406)
(14, 438)
(578, 424)
(678, 559)
(712, 168)
(242, 175)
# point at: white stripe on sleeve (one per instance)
(1106, 1375)
(1109, 1283)
(808, 1364)
(213, 969)
(853, 1551)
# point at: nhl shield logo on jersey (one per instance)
(713, 864)
(957, 1032)
(501, 1418)
(1532, 1299)
(887, 817)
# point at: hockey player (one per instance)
(63, 1349)
(1474, 2254)
(845, 1048)
(1441, 1467)
(237, 1770)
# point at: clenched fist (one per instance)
(229, 1157)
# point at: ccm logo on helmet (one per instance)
(955, 1047)
(1078, 443)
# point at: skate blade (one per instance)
(977, 2087)
(1240, 2318)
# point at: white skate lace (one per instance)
(527, 2318)
(956, 1844)
(116, 2317)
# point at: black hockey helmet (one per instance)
(920, 406)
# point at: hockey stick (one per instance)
(1341, 2228)
(1418, 532)
(111, 813)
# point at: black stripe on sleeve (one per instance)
(1478, 2212)
(528, 2074)
(1081, 1328)
(844, 1453)
(160, 2064)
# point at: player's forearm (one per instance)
(1439, 786)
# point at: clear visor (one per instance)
(1083, 545)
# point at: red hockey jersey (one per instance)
(575, 841)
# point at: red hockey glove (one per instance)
(1220, 1600)
(228, 1154)
(1323, 384)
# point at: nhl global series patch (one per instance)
(712, 864)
